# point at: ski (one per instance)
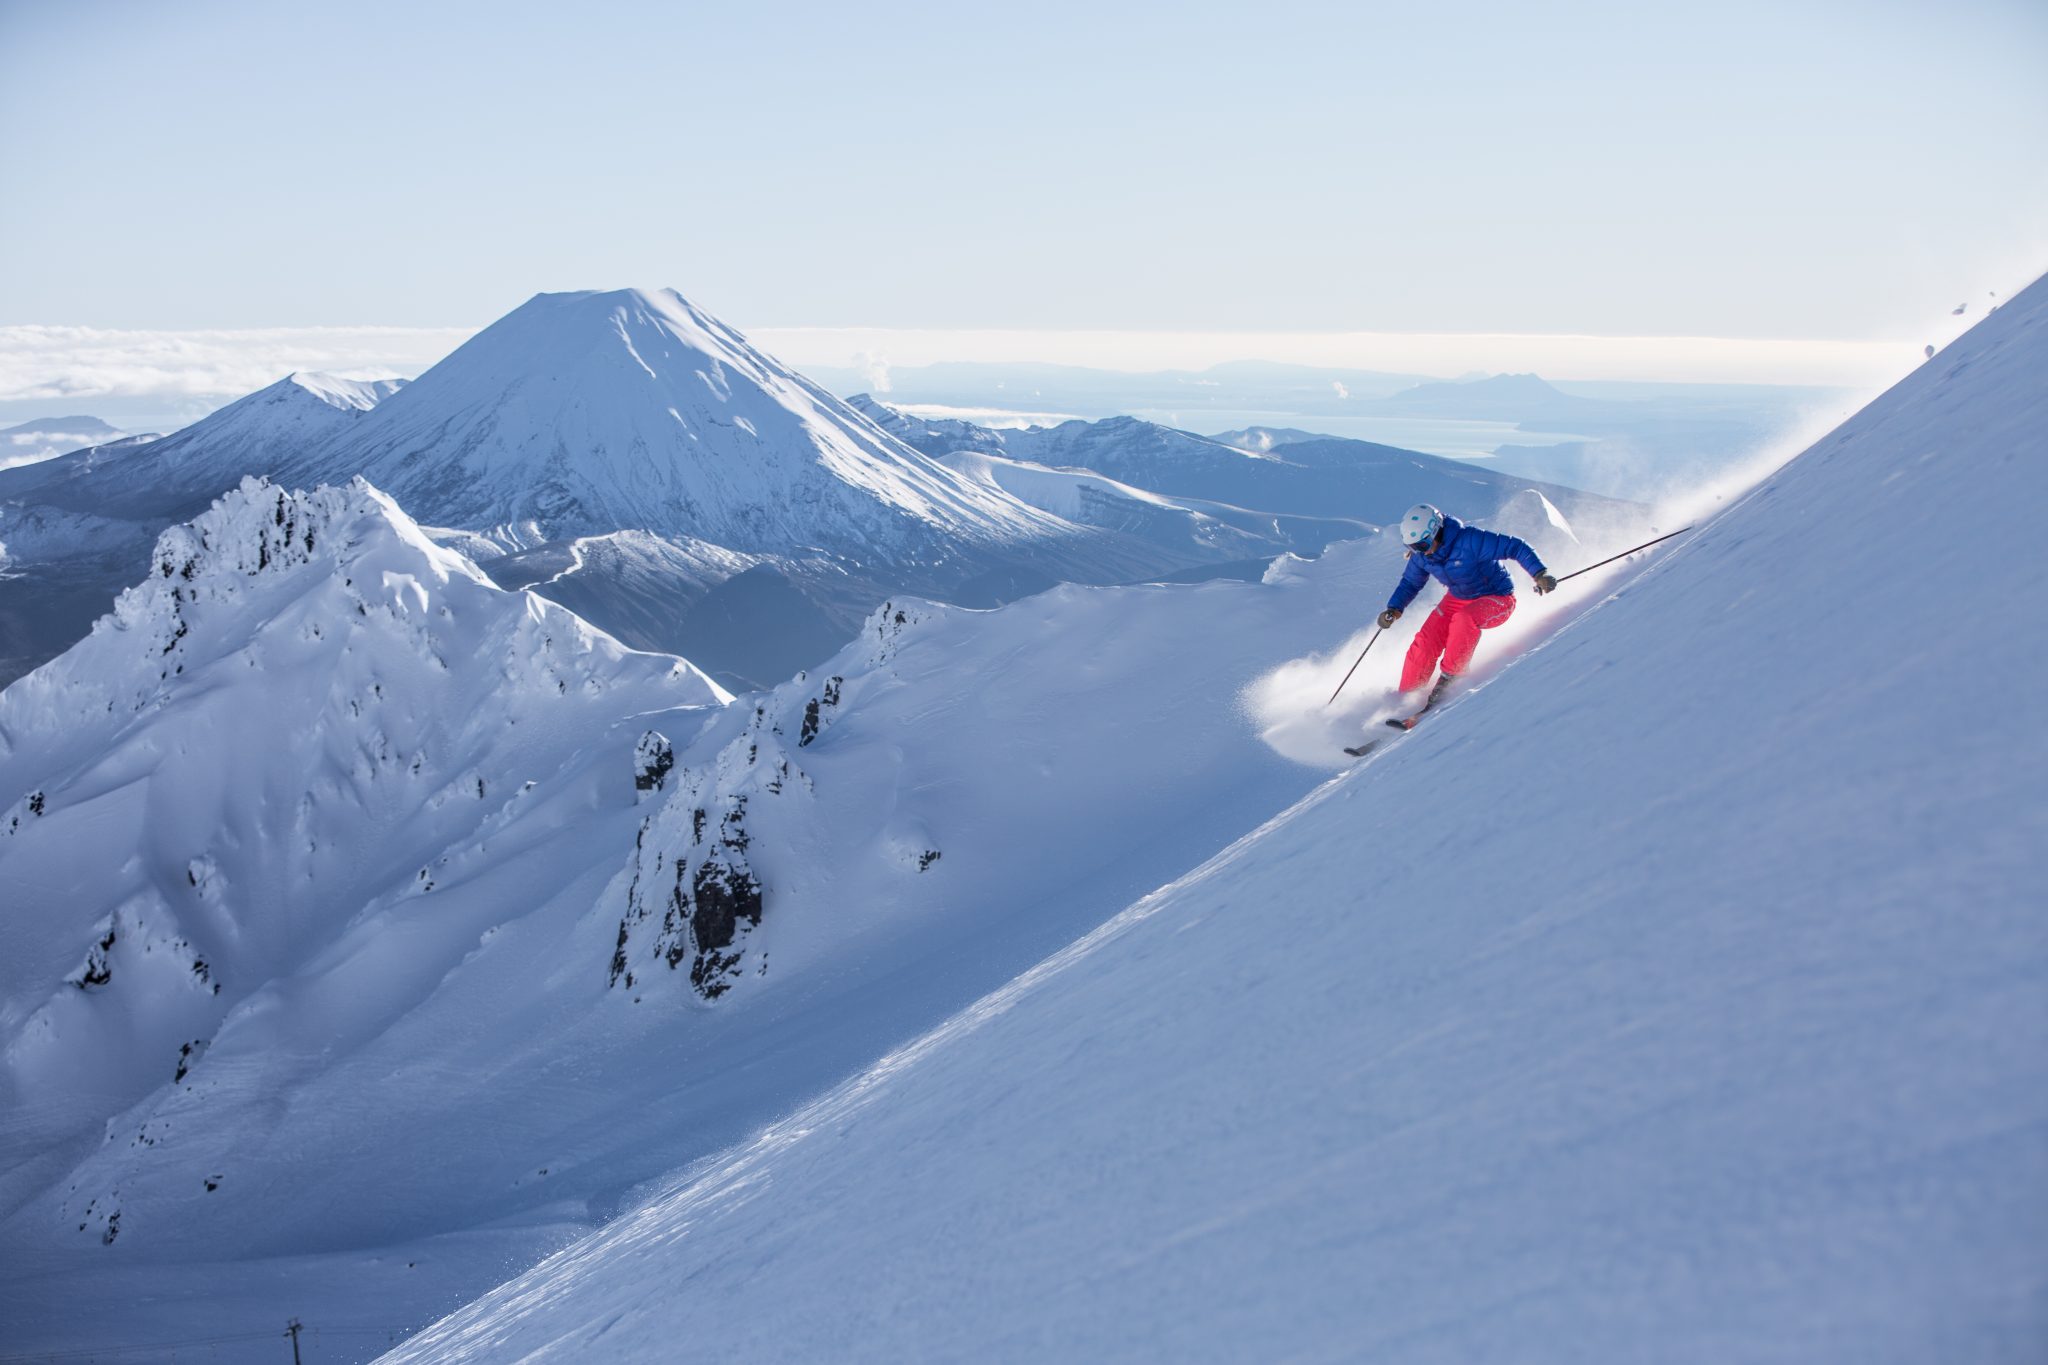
(1436, 694)
(1361, 750)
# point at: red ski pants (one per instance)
(1452, 631)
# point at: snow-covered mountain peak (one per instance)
(359, 395)
(258, 535)
(310, 390)
(594, 411)
(262, 433)
(265, 570)
(310, 731)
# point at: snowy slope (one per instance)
(1676, 995)
(303, 762)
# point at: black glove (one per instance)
(1544, 583)
(1389, 616)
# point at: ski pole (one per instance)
(1354, 664)
(1625, 553)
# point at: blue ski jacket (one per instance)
(1467, 561)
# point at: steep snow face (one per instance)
(277, 794)
(1678, 994)
(592, 412)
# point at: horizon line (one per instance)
(62, 361)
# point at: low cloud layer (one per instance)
(62, 364)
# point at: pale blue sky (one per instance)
(1722, 168)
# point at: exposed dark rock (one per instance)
(732, 830)
(927, 858)
(814, 711)
(99, 967)
(710, 905)
(620, 972)
(673, 944)
(653, 759)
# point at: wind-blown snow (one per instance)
(1677, 994)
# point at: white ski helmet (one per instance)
(1420, 526)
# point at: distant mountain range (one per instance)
(47, 437)
(1629, 440)
(628, 454)
(1325, 481)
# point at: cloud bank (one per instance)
(53, 363)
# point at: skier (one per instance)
(1478, 594)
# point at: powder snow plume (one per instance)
(1291, 706)
(1292, 710)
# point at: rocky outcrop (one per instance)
(29, 807)
(815, 711)
(715, 904)
(695, 897)
(884, 631)
(120, 934)
(702, 883)
(653, 758)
